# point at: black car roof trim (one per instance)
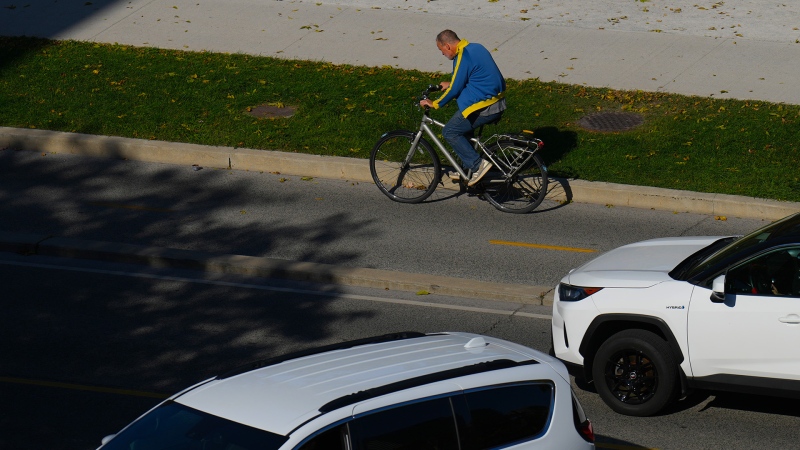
(367, 394)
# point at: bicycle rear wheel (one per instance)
(400, 178)
(521, 193)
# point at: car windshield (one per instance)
(790, 226)
(177, 427)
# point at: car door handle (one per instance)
(791, 318)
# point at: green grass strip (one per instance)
(700, 144)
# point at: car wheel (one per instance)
(635, 373)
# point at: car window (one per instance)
(333, 439)
(179, 427)
(504, 415)
(776, 273)
(426, 425)
(789, 226)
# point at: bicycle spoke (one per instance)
(402, 180)
(522, 192)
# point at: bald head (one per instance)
(447, 37)
(447, 43)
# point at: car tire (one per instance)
(635, 373)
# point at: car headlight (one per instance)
(569, 293)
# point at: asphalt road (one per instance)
(89, 346)
(319, 220)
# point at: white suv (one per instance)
(401, 391)
(648, 321)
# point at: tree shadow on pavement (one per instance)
(122, 333)
(103, 336)
(118, 335)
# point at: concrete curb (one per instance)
(358, 170)
(159, 257)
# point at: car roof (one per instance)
(282, 396)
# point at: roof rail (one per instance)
(327, 348)
(366, 394)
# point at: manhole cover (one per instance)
(271, 112)
(611, 121)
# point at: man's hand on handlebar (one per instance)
(426, 102)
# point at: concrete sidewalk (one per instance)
(524, 45)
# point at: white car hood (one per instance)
(638, 265)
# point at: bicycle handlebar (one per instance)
(429, 89)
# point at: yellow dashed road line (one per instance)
(80, 387)
(542, 246)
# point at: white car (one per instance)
(649, 321)
(401, 391)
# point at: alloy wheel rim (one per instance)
(631, 377)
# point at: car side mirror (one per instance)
(718, 289)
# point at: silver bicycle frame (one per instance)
(423, 126)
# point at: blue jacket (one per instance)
(476, 82)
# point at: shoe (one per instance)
(483, 169)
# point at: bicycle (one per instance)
(406, 168)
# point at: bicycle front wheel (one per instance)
(404, 176)
(521, 193)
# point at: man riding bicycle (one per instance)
(479, 89)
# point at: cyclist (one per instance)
(478, 88)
